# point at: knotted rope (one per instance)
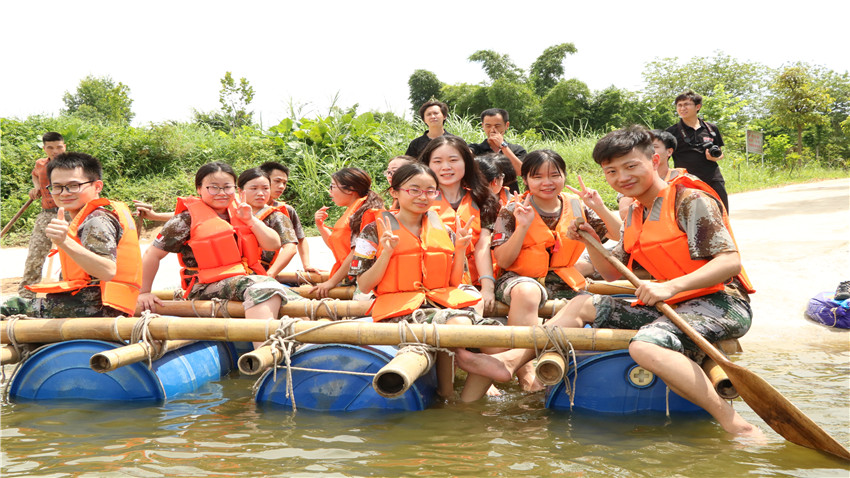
(141, 333)
(216, 305)
(558, 342)
(303, 277)
(23, 351)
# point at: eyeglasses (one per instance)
(72, 188)
(416, 192)
(685, 105)
(229, 189)
(389, 173)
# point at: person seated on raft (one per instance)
(536, 260)
(218, 241)
(414, 264)
(463, 195)
(392, 167)
(690, 232)
(98, 249)
(279, 177)
(488, 164)
(350, 188)
(664, 144)
(254, 186)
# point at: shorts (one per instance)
(250, 289)
(718, 316)
(552, 287)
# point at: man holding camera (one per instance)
(698, 144)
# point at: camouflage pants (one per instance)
(251, 290)
(86, 303)
(429, 314)
(39, 247)
(716, 317)
(552, 287)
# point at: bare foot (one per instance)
(481, 364)
(753, 437)
(493, 391)
(528, 380)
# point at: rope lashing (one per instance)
(23, 352)
(141, 333)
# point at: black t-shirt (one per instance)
(690, 155)
(418, 145)
(483, 147)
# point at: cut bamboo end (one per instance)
(252, 363)
(396, 377)
(721, 382)
(110, 360)
(551, 368)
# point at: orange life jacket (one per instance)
(662, 248)
(535, 259)
(222, 249)
(339, 241)
(465, 211)
(122, 290)
(419, 268)
(281, 206)
(505, 196)
(264, 213)
(40, 171)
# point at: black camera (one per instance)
(712, 149)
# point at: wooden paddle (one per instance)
(776, 410)
(15, 218)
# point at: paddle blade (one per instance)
(778, 412)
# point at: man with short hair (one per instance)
(679, 232)
(434, 114)
(53, 145)
(279, 179)
(698, 144)
(495, 122)
(98, 248)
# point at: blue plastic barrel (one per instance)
(611, 382)
(330, 391)
(61, 371)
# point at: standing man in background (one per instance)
(698, 144)
(495, 123)
(53, 145)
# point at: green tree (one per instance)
(666, 78)
(234, 101)
(465, 99)
(798, 100)
(498, 66)
(520, 101)
(548, 68)
(100, 99)
(567, 105)
(423, 85)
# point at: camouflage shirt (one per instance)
(296, 221)
(506, 222)
(366, 249)
(700, 217)
(281, 224)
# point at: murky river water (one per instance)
(220, 431)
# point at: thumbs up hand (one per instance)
(57, 230)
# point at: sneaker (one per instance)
(843, 291)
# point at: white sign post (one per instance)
(755, 144)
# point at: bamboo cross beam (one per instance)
(345, 332)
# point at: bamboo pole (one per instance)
(311, 308)
(610, 288)
(345, 332)
(396, 377)
(9, 355)
(301, 277)
(257, 360)
(719, 379)
(550, 368)
(110, 360)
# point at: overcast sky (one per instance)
(172, 54)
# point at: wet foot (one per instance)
(481, 364)
(528, 380)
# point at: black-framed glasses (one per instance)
(416, 192)
(56, 189)
(229, 189)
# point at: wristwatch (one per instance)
(503, 145)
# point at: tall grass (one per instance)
(157, 163)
